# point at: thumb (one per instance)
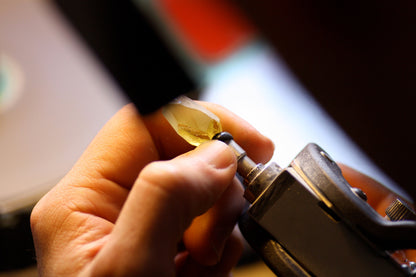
(164, 200)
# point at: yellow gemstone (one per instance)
(192, 121)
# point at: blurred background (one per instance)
(294, 72)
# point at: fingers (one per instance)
(161, 205)
(257, 146)
(233, 248)
(205, 239)
(162, 202)
(128, 142)
(119, 151)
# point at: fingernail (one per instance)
(217, 154)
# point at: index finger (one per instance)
(257, 146)
(128, 142)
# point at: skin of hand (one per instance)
(139, 191)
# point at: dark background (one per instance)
(358, 59)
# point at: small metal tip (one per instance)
(223, 136)
(256, 177)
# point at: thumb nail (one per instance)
(217, 154)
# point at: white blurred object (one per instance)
(11, 82)
(259, 87)
(65, 99)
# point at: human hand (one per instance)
(133, 196)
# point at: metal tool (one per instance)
(306, 220)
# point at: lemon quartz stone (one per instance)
(191, 121)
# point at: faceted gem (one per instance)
(191, 121)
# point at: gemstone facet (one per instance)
(191, 121)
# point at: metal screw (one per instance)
(360, 193)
